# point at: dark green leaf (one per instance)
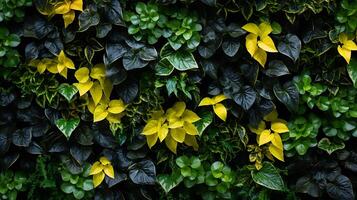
(22, 137)
(276, 68)
(352, 71)
(290, 46)
(230, 47)
(89, 17)
(205, 121)
(143, 172)
(288, 95)
(245, 97)
(340, 188)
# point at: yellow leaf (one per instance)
(64, 73)
(350, 45)
(96, 168)
(96, 93)
(345, 53)
(77, 5)
(190, 116)
(65, 61)
(258, 165)
(273, 115)
(179, 108)
(267, 44)
(116, 106)
(100, 113)
(251, 28)
(265, 29)
(51, 65)
(98, 71)
(62, 8)
(68, 18)
(98, 178)
(218, 98)
(190, 128)
(41, 67)
(259, 129)
(91, 106)
(107, 88)
(109, 171)
(276, 141)
(171, 143)
(190, 140)
(175, 123)
(343, 37)
(150, 127)
(104, 160)
(114, 118)
(60, 67)
(162, 133)
(265, 137)
(178, 134)
(279, 127)
(261, 56)
(151, 140)
(220, 111)
(276, 152)
(83, 87)
(251, 43)
(206, 102)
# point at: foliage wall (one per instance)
(178, 99)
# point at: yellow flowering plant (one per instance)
(100, 169)
(258, 41)
(218, 108)
(271, 135)
(174, 126)
(348, 45)
(58, 65)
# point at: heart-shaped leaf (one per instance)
(290, 46)
(67, 126)
(269, 177)
(330, 146)
(67, 91)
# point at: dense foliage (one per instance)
(253, 99)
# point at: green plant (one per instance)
(13, 9)
(11, 183)
(9, 57)
(79, 185)
(302, 134)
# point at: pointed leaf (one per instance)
(67, 126)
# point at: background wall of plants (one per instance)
(178, 99)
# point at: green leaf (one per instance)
(287, 94)
(276, 68)
(269, 177)
(67, 188)
(87, 185)
(182, 60)
(168, 182)
(171, 86)
(352, 71)
(206, 119)
(67, 91)
(330, 146)
(67, 126)
(290, 46)
(164, 68)
(183, 161)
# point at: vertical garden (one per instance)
(178, 99)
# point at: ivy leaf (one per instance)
(288, 95)
(290, 46)
(143, 172)
(67, 126)
(269, 177)
(67, 91)
(245, 97)
(352, 71)
(168, 182)
(330, 146)
(206, 119)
